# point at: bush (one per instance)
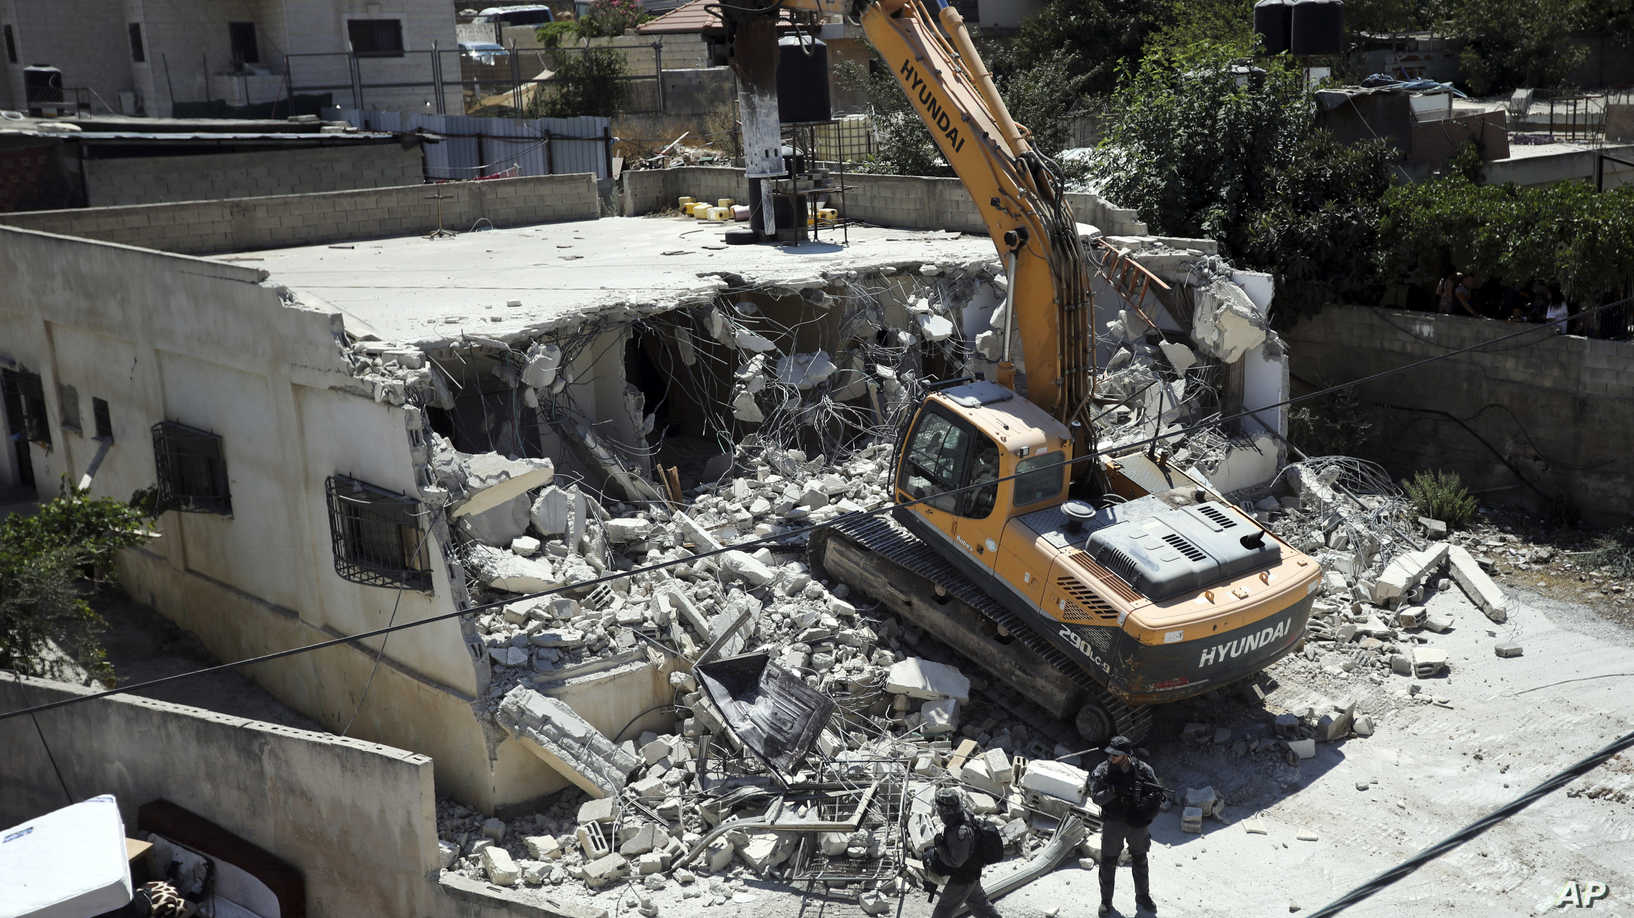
(1441, 495)
(552, 36)
(588, 81)
(49, 561)
(609, 18)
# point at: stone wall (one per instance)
(243, 224)
(158, 179)
(906, 201)
(357, 819)
(1544, 420)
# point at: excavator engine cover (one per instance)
(1179, 550)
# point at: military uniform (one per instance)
(954, 856)
(1129, 797)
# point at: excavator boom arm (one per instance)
(1016, 190)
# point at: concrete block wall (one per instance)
(1556, 410)
(1106, 216)
(908, 201)
(208, 177)
(357, 819)
(244, 224)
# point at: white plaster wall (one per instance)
(167, 336)
(346, 435)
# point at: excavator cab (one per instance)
(1158, 591)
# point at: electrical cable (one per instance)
(768, 540)
(1401, 870)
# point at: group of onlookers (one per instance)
(1468, 295)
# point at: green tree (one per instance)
(1509, 44)
(1565, 233)
(1046, 97)
(1320, 221)
(588, 81)
(50, 561)
(1096, 37)
(1195, 138)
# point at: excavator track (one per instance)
(890, 544)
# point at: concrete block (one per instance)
(1302, 748)
(1507, 649)
(1477, 585)
(1204, 799)
(1191, 820)
(1438, 621)
(542, 847)
(604, 870)
(766, 850)
(1410, 618)
(747, 568)
(939, 717)
(1363, 725)
(917, 677)
(649, 837)
(1407, 570)
(565, 741)
(1429, 661)
(500, 869)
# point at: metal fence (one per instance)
(477, 148)
(447, 81)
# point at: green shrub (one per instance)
(552, 36)
(49, 562)
(1441, 495)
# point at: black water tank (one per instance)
(1317, 27)
(802, 80)
(42, 84)
(1271, 19)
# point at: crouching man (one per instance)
(957, 856)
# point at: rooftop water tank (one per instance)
(802, 80)
(1271, 18)
(1317, 27)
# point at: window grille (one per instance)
(376, 535)
(192, 469)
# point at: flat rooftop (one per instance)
(414, 290)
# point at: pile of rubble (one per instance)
(690, 813)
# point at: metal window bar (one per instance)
(192, 469)
(376, 535)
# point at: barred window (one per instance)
(376, 535)
(192, 469)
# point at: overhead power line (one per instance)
(779, 537)
(1555, 782)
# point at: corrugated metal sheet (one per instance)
(486, 147)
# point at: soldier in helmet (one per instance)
(1129, 796)
(954, 856)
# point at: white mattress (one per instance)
(68, 863)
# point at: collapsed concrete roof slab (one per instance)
(532, 280)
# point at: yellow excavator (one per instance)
(1094, 587)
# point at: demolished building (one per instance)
(358, 433)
